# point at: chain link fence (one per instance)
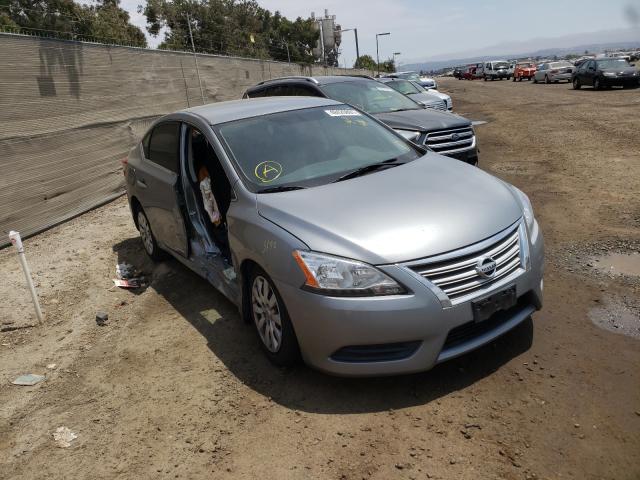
(70, 111)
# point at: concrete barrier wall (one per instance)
(69, 111)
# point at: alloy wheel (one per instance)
(145, 232)
(266, 313)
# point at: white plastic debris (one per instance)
(28, 380)
(63, 437)
(51, 366)
(125, 271)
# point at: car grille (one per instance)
(443, 141)
(439, 105)
(458, 277)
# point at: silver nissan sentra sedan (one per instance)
(341, 241)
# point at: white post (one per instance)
(17, 242)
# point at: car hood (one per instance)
(440, 95)
(432, 205)
(425, 120)
(426, 97)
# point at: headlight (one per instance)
(609, 74)
(410, 135)
(342, 277)
(527, 209)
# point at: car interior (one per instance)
(200, 154)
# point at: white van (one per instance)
(496, 69)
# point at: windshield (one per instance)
(309, 147)
(408, 75)
(370, 96)
(403, 86)
(613, 63)
(525, 65)
(560, 64)
(498, 65)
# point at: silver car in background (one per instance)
(554, 72)
(336, 237)
(418, 94)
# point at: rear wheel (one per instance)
(146, 235)
(271, 320)
(576, 84)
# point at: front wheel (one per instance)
(271, 320)
(576, 84)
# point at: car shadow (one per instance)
(236, 344)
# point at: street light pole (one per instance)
(394, 59)
(355, 32)
(378, 50)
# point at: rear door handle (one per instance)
(141, 183)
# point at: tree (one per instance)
(366, 62)
(231, 27)
(388, 66)
(103, 21)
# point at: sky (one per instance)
(422, 29)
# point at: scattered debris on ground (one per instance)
(63, 437)
(29, 379)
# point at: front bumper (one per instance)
(620, 81)
(419, 322)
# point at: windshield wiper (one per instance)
(281, 188)
(392, 162)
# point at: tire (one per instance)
(546, 79)
(535, 80)
(148, 238)
(528, 79)
(271, 320)
(597, 85)
(576, 84)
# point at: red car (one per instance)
(470, 73)
(524, 70)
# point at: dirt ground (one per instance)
(175, 386)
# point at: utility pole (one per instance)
(286, 44)
(378, 50)
(193, 47)
(355, 32)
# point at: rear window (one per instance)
(371, 96)
(165, 144)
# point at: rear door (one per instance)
(159, 188)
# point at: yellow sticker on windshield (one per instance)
(268, 171)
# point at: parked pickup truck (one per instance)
(524, 70)
(495, 70)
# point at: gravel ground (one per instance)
(175, 386)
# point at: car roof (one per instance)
(222, 112)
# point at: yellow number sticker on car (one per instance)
(268, 171)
